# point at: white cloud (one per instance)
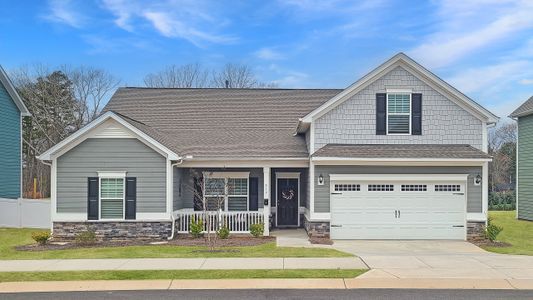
(489, 77)
(189, 20)
(64, 12)
(269, 54)
(465, 28)
(526, 81)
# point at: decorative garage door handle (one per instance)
(458, 226)
(336, 225)
(336, 193)
(458, 193)
(396, 214)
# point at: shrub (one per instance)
(223, 232)
(257, 230)
(492, 230)
(196, 227)
(87, 237)
(41, 237)
(502, 200)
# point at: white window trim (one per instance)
(399, 114)
(226, 176)
(112, 175)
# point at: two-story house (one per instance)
(399, 154)
(12, 110)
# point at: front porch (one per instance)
(274, 197)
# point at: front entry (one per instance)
(287, 202)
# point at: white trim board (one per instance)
(416, 69)
(399, 177)
(84, 133)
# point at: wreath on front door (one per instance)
(287, 195)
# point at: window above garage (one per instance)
(398, 113)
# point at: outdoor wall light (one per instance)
(477, 180)
(320, 179)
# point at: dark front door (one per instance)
(287, 202)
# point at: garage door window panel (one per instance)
(414, 188)
(381, 187)
(447, 188)
(347, 187)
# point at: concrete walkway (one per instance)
(436, 259)
(180, 264)
(338, 283)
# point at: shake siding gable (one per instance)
(108, 154)
(525, 168)
(10, 160)
(354, 121)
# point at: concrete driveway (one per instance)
(436, 259)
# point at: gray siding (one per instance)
(187, 183)
(525, 168)
(9, 146)
(322, 192)
(354, 121)
(93, 155)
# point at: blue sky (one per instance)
(482, 47)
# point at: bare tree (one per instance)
(173, 76)
(238, 76)
(502, 147)
(210, 196)
(91, 87)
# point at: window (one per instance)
(381, 187)
(398, 113)
(226, 191)
(447, 188)
(111, 198)
(414, 188)
(347, 187)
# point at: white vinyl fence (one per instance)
(33, 213)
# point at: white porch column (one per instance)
(266, 199)
(485, 190)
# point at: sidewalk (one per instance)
(348, 283)
(181, 264)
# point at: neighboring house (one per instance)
(399, 154)
(12, 109)
(524, 160)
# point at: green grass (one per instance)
(9, 238)
(518, 233)
(176, 274)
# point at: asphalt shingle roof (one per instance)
(525, 109)
(400, 151)
(221, 123)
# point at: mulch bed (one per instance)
(180, 240)
(320, 241)
(495, 244)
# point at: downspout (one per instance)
(171, 237)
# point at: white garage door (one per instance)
(392, 208)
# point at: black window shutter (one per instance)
(416, 114)
(381, 114)
(92, 198)
(253, 193)
(198, 195)
(131, 198)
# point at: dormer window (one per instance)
(398, 113)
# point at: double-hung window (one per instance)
(112, 195)
(227, 191)
(398, 113)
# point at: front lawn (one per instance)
(518, 233)
(176, 274)
(10, 238)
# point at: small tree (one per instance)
(210, 195)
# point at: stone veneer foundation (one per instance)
(122, 230)
(475, 231)
(316, 229)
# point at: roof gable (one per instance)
(98, 128)
(417, 70)
(523, 110)
(8, 85)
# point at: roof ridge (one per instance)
(230, 89)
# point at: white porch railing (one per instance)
(236, 221)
